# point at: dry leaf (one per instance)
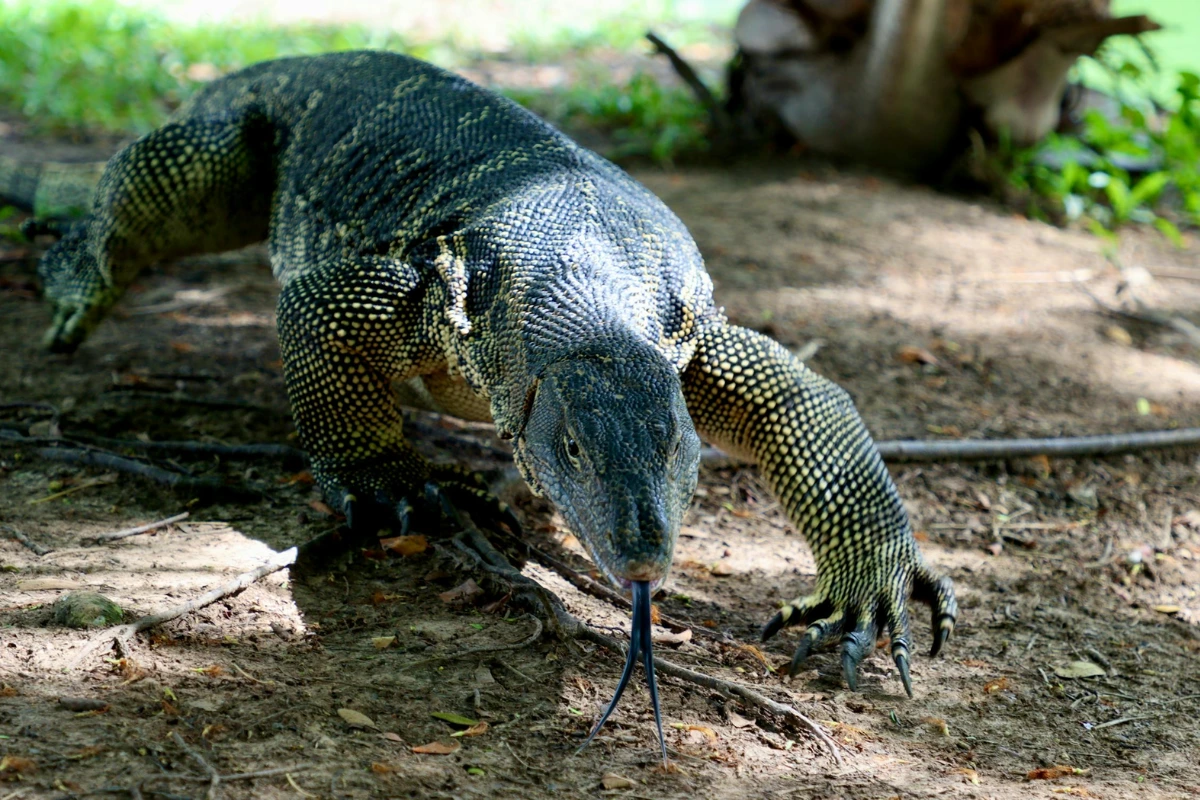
(304, 476)
(915, 355)
(478, 729)
(379, 768)
(405, 545)
(437, 748)
(738, 721)
(670, 637)
(1080, 669)
(997, 685)
(17, 764)
(973, 662)
(938, 724)
(970, 774)
(392, 737)
(611, 780)
(356, 719)
(721, 569)
(754, 651)
(1050, 773)
(655, 615)
(382, 642)
(465, 592)
(320, 508)
(1167, 609)
(704, 729)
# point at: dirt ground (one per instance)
(943, 317)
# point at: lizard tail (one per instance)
(50, 190)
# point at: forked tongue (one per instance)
(639, 644)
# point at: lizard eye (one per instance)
(572, 448)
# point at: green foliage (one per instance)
(643, 118)
(100, 66)
(1140, 165)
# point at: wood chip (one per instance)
(437, 748)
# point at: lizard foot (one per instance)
(439, 499)
(858, 623)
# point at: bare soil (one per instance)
(944, 318)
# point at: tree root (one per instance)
(205, 488)
(722, 126)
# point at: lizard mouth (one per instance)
(640, 644)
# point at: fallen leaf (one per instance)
(304, 477)
(17, 764)
(356, 719)
(670, 637)
(655, 615)
(570, 542)
(320, 508)
(463, 593)
(738, 721)
(382, 642)
(1119, 335)
(970, 774)
(437, 748)
(693, 533)
(379, 768)
(478, 729)
(392, 737)
(1050, 773)
(405, 545)
(213, 671)
(611, 780)
(938, 724)
(709, 623)
(708, 732)
(1080, 669)
(973, 662)
(997, 685)
(1167, 609)
(721, 569)
(910, 354)
(454, 719)
(754, 651)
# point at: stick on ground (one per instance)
(122, 634)
(152, 526)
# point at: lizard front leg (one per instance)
(751, 397)
(345, 332)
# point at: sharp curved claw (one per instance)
(800, 656)
(942, 628)
(776, 623)
(901, 659)
(850, 670)
(639, 643)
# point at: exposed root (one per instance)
(25, 541)
(207, 488)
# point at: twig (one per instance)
(717, 115)
(266, 773)
(205, 487)
(26, 542)
(152, 526)
(471, 651)
(214, 777)
(200, 448)
(1123, 720)
(122, 634)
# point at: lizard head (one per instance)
(609, 441)
(72, 282)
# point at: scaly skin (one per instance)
(423, 228)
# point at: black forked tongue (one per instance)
(639, 644)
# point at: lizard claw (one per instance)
(826, 619)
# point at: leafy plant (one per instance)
(1141, 164)
(642, 117)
